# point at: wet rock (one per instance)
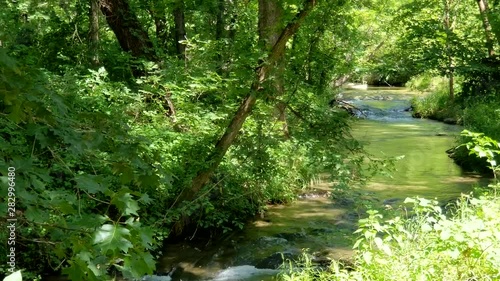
(156, 278)
(243, 272)
(391, 201)
(441, 134)
(291, 236)
(451, 121)
(271, 241)
(320, 231)
(275, 260)
(344, 201)
(322, 261)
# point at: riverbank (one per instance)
(476, 114)
(424, 246)
(424, 241)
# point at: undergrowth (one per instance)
(424, 242)
(435, 103)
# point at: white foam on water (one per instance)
(243, 272)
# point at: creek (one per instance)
(321, 225)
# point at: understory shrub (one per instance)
(477, 117)
(423, 242)
(436, 103)
(99, 165)
(426, 245)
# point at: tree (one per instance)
(269, 27)
(94, 32)
(130, 33)
(449, 19)
(261, 75)
(484, 12)
(179, 29)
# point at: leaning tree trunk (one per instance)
(448, 26)
(130, 33)
(94, 32)
(262, 72)
(484, 11)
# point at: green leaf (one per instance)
(146, 235)
(112, 237)
(367, 257)
(139, 264)
(16, 276)
(126, 204)
(89, 183)
(76, 270)
(36, 214)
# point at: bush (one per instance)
(436, 104)
(428, 82)
(478, 117)
(427, 245)
(424, 242)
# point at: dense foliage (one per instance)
(112, 120)
(126, 122)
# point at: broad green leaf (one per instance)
(113, 237)
(368, 257)
(89, 183)
(126, 204)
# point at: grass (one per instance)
(424, 244)
(436, 103)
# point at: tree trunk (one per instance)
(157, 12)
(94, 32)
(270, 20)
(179, 29)
(219, 35)
(270, 26)
(130, 33)
(219, 21)
(448, 26)
(275, 54)
(484, 11)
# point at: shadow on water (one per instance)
(315, 222)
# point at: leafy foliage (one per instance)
(423, 242)
(103, 152)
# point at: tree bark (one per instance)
(94, 32)
(246, 106)
(269, 26)
(179, 29)
(270, 20)
(448, 26)
(130, 33)
(484, 11)
(219, 21)
(157, 12)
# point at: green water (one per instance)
(425, 170)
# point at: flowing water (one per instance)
(325, 227)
